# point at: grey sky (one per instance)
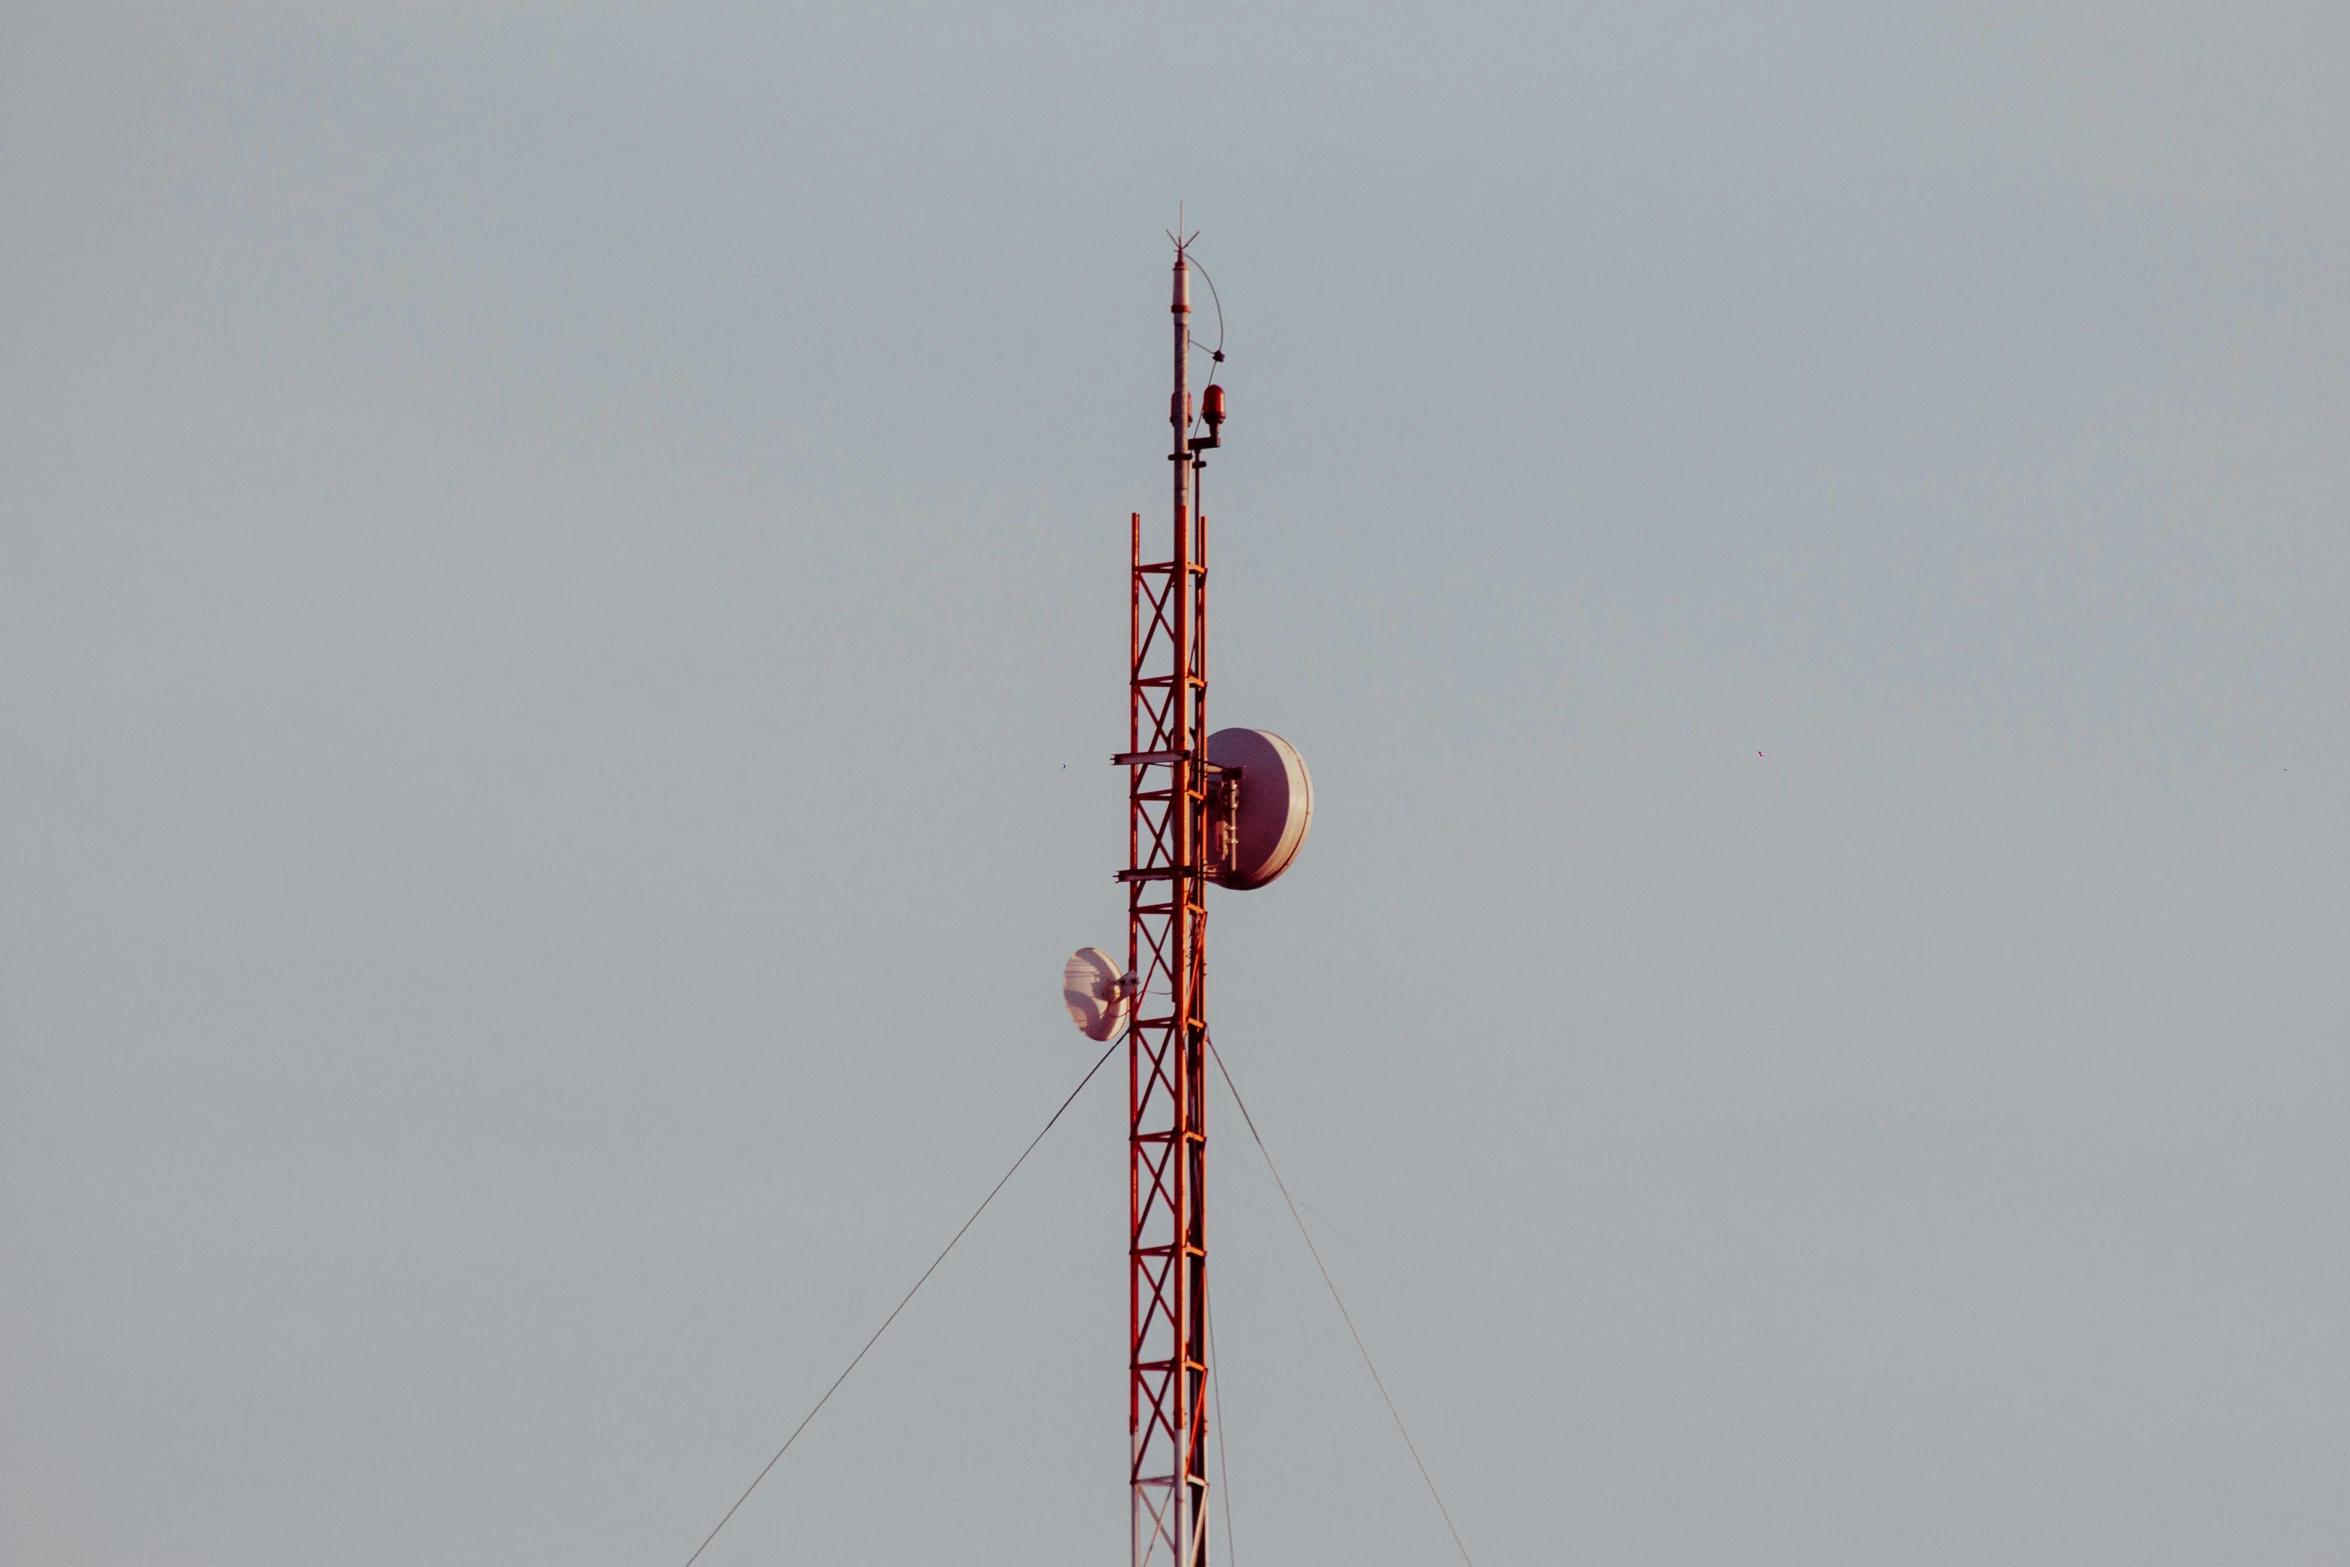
(552, 559)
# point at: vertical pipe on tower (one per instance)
(1187, 780)
(1180, 460)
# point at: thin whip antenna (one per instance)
(1299, 1219)
(901, 1305)
(1219, 300)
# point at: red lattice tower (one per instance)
(1166, 929)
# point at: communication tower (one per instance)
(1230, 808)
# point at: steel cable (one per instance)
(1380, 1382)
(1216, 1392)
(901, 1305)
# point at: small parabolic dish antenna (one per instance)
(1094, 989)
(1276, 806)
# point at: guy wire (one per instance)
(1299, 1219)
(1223, 1463)
(901, 1305)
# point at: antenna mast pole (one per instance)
(1166, 929)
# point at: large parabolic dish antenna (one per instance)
(1276, 804)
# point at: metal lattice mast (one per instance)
(1166, 950)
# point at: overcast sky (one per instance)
(561, 622)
